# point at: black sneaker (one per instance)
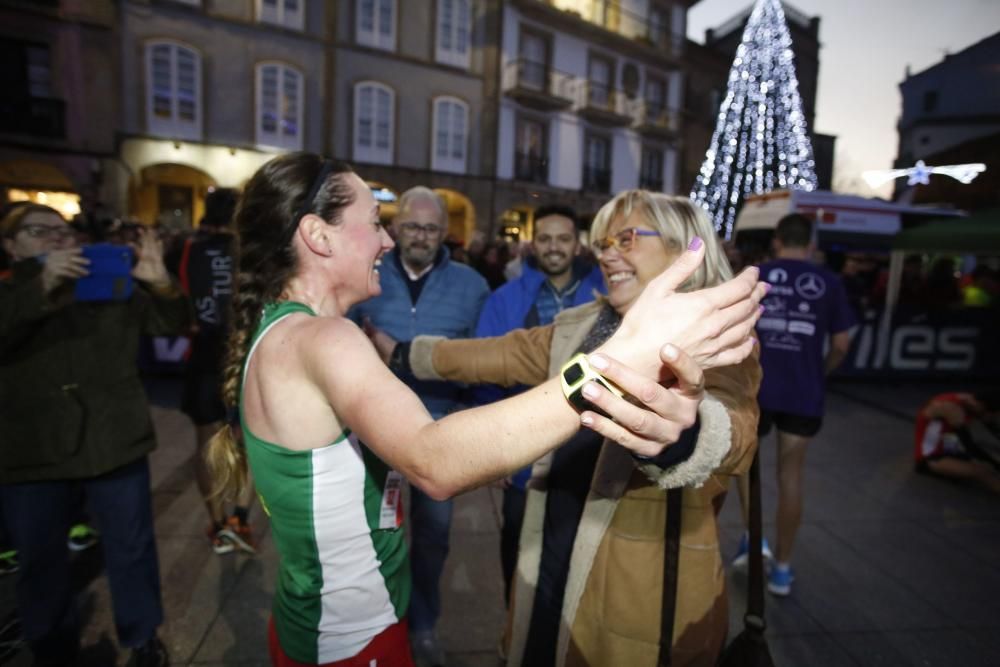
(151, 654)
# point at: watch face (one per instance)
(573, 374)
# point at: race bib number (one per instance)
(391, 515)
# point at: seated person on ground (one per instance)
(944, 444)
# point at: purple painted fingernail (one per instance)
(767, 287)
(696, 243)
(761, 309)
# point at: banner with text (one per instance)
(920, 343)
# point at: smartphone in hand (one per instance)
(110, 277)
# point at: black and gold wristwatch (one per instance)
(577, 372)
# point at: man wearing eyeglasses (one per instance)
(424, 292)
(73, 413)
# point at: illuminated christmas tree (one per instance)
(760, 141)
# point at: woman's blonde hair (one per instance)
(678, 220)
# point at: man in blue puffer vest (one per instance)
(553, 279)
(425, 293)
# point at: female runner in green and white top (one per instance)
(330, 432)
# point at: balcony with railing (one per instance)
(531, 167)
(645, 29)
(659, 122)
(33, 116)
(540, 87)
(604, 105)
(535, 84)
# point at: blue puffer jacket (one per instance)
(506, 310)
(448, 305)
(507, 307)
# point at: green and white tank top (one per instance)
(336, 517)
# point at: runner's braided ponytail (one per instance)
(269, 211)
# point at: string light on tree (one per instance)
(760, 141)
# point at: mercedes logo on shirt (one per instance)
(810, 286)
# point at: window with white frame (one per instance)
(451, 135)
(531, 154)
(658, 26)
(600, 81)
(651, 169)
(533, 63)
(38, 62)
(656, 100)
(374, 122)
(376, 23)
(279, 106)
(286, 13)
(453, 32)
(597, 163)
(173, 91)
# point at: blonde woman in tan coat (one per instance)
(590, 568)
(329, 432)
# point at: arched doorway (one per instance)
(171, 195)
(461, 215)
(517, 223)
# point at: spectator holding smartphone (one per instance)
(73, 412)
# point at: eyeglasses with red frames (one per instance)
(622, 241)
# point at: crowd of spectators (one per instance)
(98, 398)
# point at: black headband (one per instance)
(324, 172)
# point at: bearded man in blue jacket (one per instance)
(553, 278)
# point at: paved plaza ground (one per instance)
(893, 568)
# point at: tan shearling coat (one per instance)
(611, 608)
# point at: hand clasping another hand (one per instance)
(665, 411)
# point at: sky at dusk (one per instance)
(866, 46)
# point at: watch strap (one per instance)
(577, 372)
